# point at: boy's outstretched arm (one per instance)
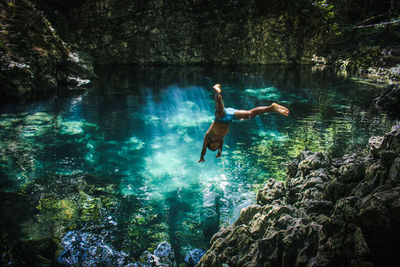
(221, 145)
(204, 150)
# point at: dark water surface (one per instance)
(121, 159)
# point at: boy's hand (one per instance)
(201, 160)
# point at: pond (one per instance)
(121, 159)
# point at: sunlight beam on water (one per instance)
(175, 140)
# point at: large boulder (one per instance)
(330, 212)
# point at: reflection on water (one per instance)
(142, 130)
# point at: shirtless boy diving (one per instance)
(214, 137)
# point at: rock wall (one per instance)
(191, 32)
(34, 60)
(330, 212)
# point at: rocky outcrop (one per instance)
(191, 32)
(330, 212)
(34, 60)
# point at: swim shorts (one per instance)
(229, 115)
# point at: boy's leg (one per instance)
(219, 104)
(248, 114)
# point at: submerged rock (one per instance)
(163, 256)
(85, 213)
(194, 256)
(85, 249)
(330, 212)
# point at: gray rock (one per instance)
(273, 190)
(193, 257)
(394, 172)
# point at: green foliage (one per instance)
(11, 4)
(336, 29)
(326, 9)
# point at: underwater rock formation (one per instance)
(194, 256)
(87, 249)
(81, 220)
(45, 210)
(330, 212)
(163, 256)
(34, 60)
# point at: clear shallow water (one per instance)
(142, 129)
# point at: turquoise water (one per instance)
(139, 134)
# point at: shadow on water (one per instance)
(120, 160)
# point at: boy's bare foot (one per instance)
(217, 88)
(280, 109)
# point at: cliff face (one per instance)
(330, 212)
(191, 32)
(37, 58)
(34, 60)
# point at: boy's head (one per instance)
(214, 145)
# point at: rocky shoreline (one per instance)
(329, 212)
